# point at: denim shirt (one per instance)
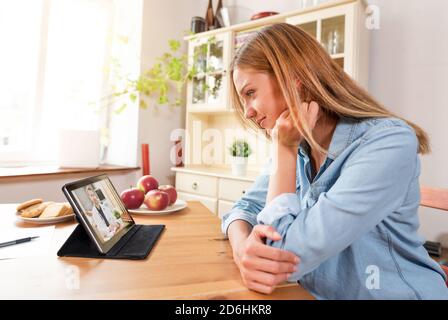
(354, 226)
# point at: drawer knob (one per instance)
(195, 185)
(244, 191)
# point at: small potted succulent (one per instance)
(240, 151)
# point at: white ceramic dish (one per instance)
(46, 220)
(143, 210)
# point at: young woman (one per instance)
(337, 208)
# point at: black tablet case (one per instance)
(134, 245)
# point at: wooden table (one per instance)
(192, 260)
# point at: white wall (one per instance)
(408, 73)
(163, 20)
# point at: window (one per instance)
(20, 43)
(54, 66)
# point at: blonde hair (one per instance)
(290, 54)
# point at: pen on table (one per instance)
(13, 242)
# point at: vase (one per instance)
(209, 17)
(239, 166)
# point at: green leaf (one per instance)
(169, 72)
(143, 104)
(240, 148)
(121, 108)
(167, 55)
(133, 97)
(163, 99)
(211, 40)
(174, 45)
(204, 49)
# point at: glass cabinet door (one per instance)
(200, 58)
(215, 88)
(216, 57)
(332, 36)
(208, 58)
(215, 72)
(330, 27)
(310, 28)
(198, 85)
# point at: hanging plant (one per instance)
(165, 78)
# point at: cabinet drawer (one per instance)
(224, 207)
(197, 184)
(232, 190)
(210, 203)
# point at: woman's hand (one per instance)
(263, 267)
(285, 132)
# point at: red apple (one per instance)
(147, 183)
(157, 200)
(132, 198)
(172, 193)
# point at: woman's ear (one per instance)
(299, 87)
(304, 94)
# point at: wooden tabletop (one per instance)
(192, 260)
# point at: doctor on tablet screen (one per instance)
(101, 216)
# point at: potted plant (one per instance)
(240, 151)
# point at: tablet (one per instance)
(100, 210)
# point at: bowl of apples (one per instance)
(150, 198)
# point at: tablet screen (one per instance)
(101, 209)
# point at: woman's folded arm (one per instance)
(250, 204)
(370, 187)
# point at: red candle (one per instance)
(145, 159)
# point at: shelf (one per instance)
(338, 56)
(340, 62)
(217, 73)
(271, 19)
(201, 75)
(243, 36)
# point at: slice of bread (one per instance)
(35, 210)
(53, 210)
(67, 209)
(28, 203)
